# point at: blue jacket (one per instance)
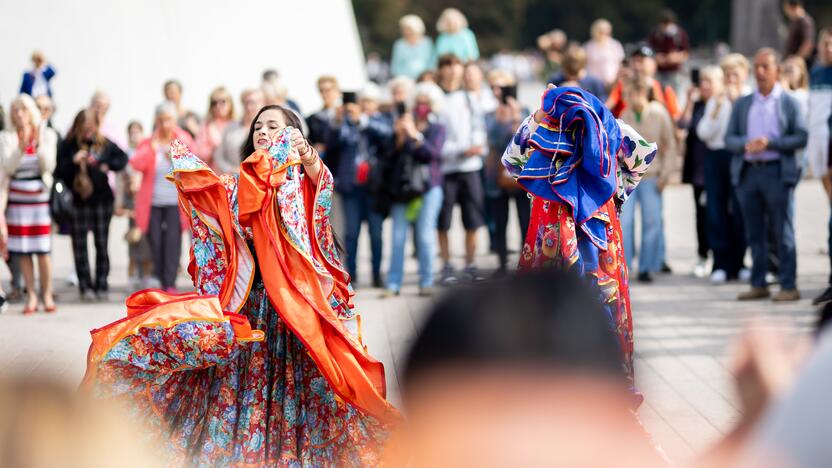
(29, 81)
(793, 137)
(344, 149)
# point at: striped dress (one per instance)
(27, 213)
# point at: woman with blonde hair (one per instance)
(735, 68)
(795, 80)
(85, 159)
(220, 113)
(455, 37)
(725, 227)
(413, 52)
(603, 53)
(27, 155)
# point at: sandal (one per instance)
(50, 309)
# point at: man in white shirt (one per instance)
(466, 145)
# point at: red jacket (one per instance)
(144, 161)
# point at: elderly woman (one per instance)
(27, 155)
(603, 53)
(413, 52)
(85, 160)
(220, 113)
(157, 204)
(415, 185)
(455, 37)
(400, 90)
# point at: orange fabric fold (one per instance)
(295, 288)
(203, 189)
(155, 308)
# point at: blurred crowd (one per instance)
(424, 137)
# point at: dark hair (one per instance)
(547, 319)
(794, 3)
(668, 16)
(134, 123)
(292, 120)
(270, 74)
(447, 60)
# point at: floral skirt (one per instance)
(261, 404)
(552, 241)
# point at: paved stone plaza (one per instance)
(684, 326)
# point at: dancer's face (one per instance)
(267, 125)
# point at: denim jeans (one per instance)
(767, 205)
(425, 239)
(649, 199)
(358, 208)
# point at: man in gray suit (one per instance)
(764, 131)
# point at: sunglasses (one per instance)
(216, 102)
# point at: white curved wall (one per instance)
(129, 48)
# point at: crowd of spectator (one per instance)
(429, 139)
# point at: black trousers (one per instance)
(95, 219)
(702, 247)
(165, 235)
(499, 209)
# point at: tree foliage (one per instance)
(515, 24)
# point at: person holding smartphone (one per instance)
(415, 185)
(85, 159)
(694, 154)
(361, 140)
(501, 189)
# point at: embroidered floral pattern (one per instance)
(212, 402)
(552, 239)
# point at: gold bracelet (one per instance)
(317, 157)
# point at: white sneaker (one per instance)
(151, 282)
(134, 284)
(701, 268)
(745, 275)
(719, 277)
(72, 280)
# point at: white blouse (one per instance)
(713, 125)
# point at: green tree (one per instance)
(515, 24)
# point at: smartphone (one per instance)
(508, 91)
(401, 108)
(694, 76)
(349, 97)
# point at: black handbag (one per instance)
(413, 179)
(60, 203)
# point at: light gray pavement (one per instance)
(683, 325)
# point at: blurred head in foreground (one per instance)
(46, 425)
(521, 372)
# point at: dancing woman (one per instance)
(579, 164)
(299, 389)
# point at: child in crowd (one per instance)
(139, 266)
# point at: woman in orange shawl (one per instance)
(301, 392)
